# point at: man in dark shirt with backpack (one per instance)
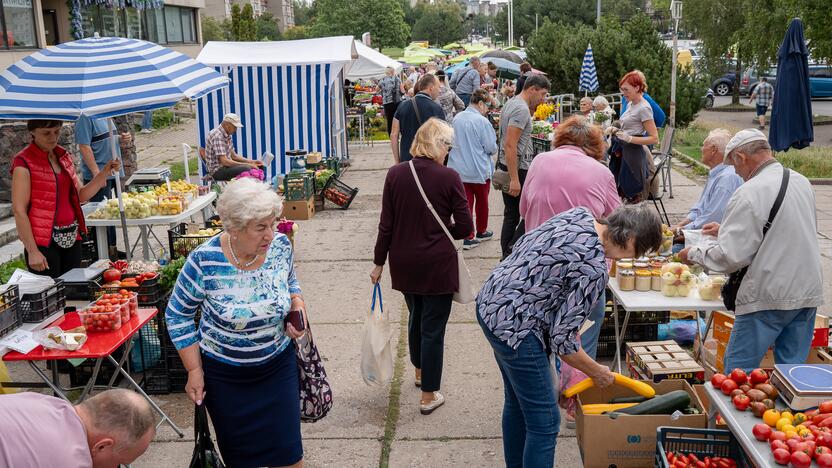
(411, 114)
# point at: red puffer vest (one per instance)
(43, 195)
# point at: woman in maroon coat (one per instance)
(423, 262)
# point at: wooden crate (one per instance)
(661, 360)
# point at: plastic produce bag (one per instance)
(55, 338)
(377, 349)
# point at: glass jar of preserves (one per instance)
(627, 280)
(656, 283)
(644, 279)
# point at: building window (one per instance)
(168, 25)
(17, 20)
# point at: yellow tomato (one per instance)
(788, 415)
(789, 428)
(783, 422)
(799, 418)
(771, 417)
(790, 434)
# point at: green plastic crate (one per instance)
(298, 186)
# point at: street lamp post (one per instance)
(676, 16)
(510, 23)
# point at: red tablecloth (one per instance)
(98, 345)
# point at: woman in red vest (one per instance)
(46, 200)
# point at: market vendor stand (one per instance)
(99, 346)
(740, 424)
(203, 203)
(652, 301)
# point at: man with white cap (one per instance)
(767, 241)
(223, 163)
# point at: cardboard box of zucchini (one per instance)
(616, 426)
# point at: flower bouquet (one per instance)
(256, 174)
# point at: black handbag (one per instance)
(315, 392)
(205, 456)
(732, 286)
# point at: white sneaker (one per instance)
(146, 130)
(438, 400)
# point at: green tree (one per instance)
(236, 22)
(383, 19)
(558, 49)
(304, 11)
(294, 33)
(213, 30)
(267, 28)
(439, 22)
(248, 27)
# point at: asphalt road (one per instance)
(819, 106)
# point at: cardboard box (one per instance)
(662, 360)
(625, 440)
(299, 210)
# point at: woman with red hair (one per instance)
(631, 161)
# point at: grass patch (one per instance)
(8, 268)
(392, 419)
(735, 106)
(177, 169)
(812, 162)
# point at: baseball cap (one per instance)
(233, 119)
(743, 137)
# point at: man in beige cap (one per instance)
(782, 284)
(223, 163)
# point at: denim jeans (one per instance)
(589, 338)
(789, 331)
(531, 418)
(147, 120)
(465, 98)
(106, 192)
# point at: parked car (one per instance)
(820, 80)
(750, 79)
(723, 85)
(708, 99)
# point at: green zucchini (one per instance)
(676, 400)
(629, 399)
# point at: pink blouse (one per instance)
(564, 179)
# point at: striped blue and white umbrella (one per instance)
(589, 77)
(101, 77)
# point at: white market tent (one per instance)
(370, 64)
(288, 95)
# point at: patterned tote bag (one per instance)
(315, 393)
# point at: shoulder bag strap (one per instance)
(416, 109)
(430, 206)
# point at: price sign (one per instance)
(20, 341)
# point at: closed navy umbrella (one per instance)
(791, 112)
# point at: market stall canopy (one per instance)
(416, 59)
(338, 49)
(470, 48)
(462, 58)
(101, 77)
(369, 64)
(452, 45)
(504, 54)
(505, 68)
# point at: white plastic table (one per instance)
(201, 203)
(652, 301)
(740, 424)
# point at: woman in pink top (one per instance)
(568, 177)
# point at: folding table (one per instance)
(653, 301)
(99, 346)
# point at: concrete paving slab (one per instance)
(340, 292)
(469, 453)
(356, 453)
(358, 410)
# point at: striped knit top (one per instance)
(242, 311)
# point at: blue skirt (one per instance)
(255, 410)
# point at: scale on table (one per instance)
(150, 176)
(803, 386)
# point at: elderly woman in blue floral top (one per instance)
(391, 95)
(539, 298)
(241, 357)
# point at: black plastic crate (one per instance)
(149, 293)
(634, 332)
(701, 442)
(9, 310)
(34, 308)
(339, 193)
(181, 244)
(636, 318)
(541, 145)
(156, 381)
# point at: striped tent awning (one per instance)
(589, 77)
(101, 77)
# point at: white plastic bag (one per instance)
(377, 349)
(55, 338)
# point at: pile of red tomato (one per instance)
(794, 439)
(110, 311)
(681, 460)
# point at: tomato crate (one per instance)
(700, 442)
(35, 307)
(184, 238)
(339, 193)
(149, 292)
(540, 145)
(9, 310)
(298, 186)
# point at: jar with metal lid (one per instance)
(627, 280)
(656, 284)
(644, 279)
(640, 265)
(623, 264)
